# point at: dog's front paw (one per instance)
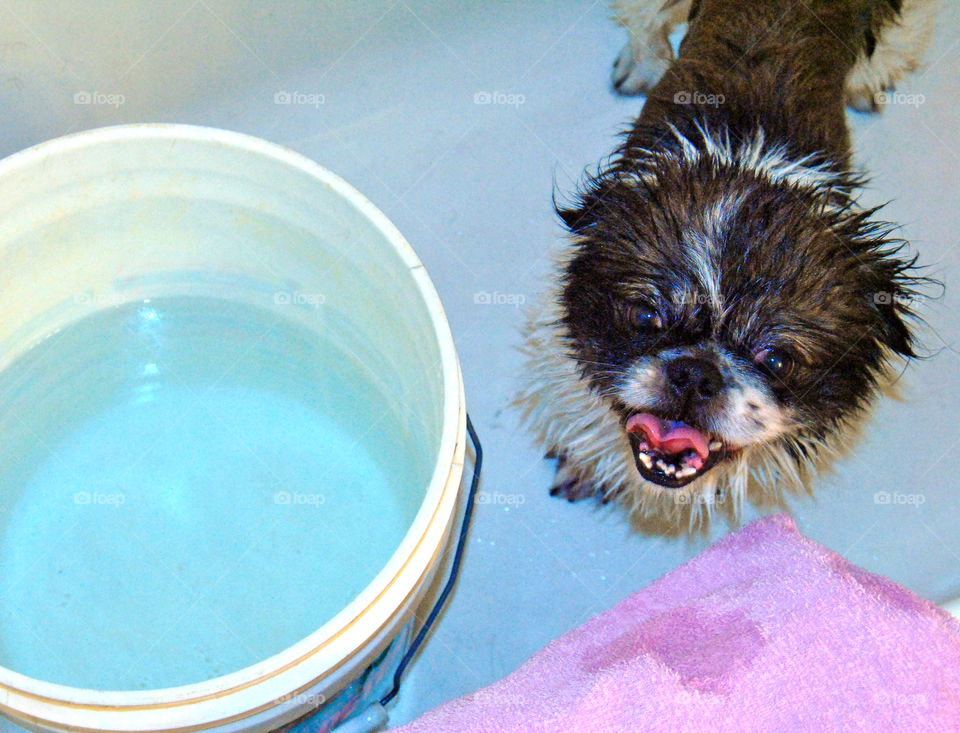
(637, 71)
(573, 487)
(867, 89)
(864, 99)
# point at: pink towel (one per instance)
(765, 631)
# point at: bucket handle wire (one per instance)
(454, 568)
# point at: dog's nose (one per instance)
(694, 377)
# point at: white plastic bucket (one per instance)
(125, 214)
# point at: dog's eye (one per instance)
(774, 361)
(646, 317)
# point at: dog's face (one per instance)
(715, 313)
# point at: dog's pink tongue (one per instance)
(671, 437)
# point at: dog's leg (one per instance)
(899, 50)
(647, 53)
(572, 486)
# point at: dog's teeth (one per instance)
(671, 470)
(715, 445)
(645, 460)
(662, 466)
(684, 472)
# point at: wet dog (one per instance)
(725, 310)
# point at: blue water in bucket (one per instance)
(190, 486)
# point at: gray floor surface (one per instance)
(456, 118)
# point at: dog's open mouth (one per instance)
(671, 453)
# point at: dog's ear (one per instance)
(889, 281)
(598, 195)
(893, 294)
(576, 218)
(582, 212)
(894, 332)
